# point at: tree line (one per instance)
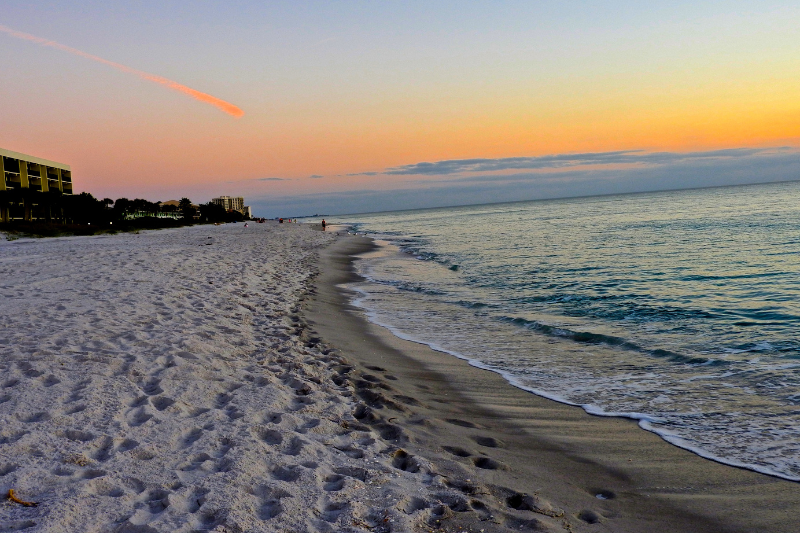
(85, 209)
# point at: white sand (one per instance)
(160, 382)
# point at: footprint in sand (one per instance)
(139, 417)
(287, 473)
(269, 436)
(459, 422)
(353, 472)
(161, 402)
(390, 432)
(233, 413)
(157, 500)
(413, 504)
(28, 370)
(351, 451)
(525, 502)
(41, 416)
(270, 502)
(458, 452)
(138, 401)
(102, 487)
(295, 446)
(407, 400)
(301, 402)
(195, 411)
(454, 502)
(50, 380)
(310, 424)
(481, 509)
(94, 473)
(74, 410)
(76, 435)
(152, 387)
(196, 461)
(222, 400)
(17, 525)
(486, 463)
(191, 436)
(589, 516)
(63, 471)
(406, 462)
(270, 509)
(602, 494)
(195, 500)
(333, 510)
(108, 446)
(487, 442)
(333, 483)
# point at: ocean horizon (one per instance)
(678, 309)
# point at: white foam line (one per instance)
(645, 421)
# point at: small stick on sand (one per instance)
(17, 500)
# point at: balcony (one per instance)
(34, 172)
(11, 165)
(13, 180)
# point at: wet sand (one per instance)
(523, 461)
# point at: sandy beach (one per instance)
(216, 379)
(499, 442)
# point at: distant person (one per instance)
(323, 224)
(280, 221)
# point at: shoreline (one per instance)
(604, 472)
(640, 420)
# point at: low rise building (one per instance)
(24, 175)
(171, 209)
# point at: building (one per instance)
(24, 174)
(233, 203)
(230, 203)
(171, 209)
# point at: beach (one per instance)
(216, 378)
(603, 473)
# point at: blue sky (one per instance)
(350, 100)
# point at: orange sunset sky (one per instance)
(340, 101)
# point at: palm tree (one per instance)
(185, 205)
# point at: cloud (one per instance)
(226, 107)
(562, 161)
(702, 169)
(316, 176)
(272, 179)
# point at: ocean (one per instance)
(679, 309)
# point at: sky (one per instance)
(357, 106)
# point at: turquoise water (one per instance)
(680, 309)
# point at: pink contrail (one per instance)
(174, 85)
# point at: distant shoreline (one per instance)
(555, 198)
